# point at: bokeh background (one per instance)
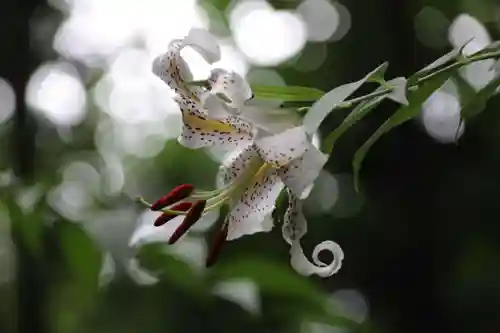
(85, 127)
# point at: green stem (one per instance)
(451, 67)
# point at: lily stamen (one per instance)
(165, 217)
(175, 195)
(192, 216)
(218, 241)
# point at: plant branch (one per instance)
(451, 67)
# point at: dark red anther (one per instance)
(217, 243)
(165, 217)
(175, 195)
(192, 216)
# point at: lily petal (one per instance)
(173, 70)
(301, 172)
(294, 228)
(204, 43)
(304, 267)
(248, 215)
(231, 86)
(271, 119)
(280, 149)
(199, 131)
(294, 222)
(237, 165)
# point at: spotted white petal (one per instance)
(230, 87)
(301, 172)
(199, 131)
(172, 69)
(248, 215)
(294, 228)
(303, 266)
(237, 165)
(280, 149)
(166, 67)
(294, 222)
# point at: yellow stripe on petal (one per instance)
(207, 125)
(259, 176)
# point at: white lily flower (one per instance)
(208, 113)
(250, 185)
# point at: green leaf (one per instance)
(287, 93)
(443, 60)
(356, 115)
(478, 103)
(82, 256)
(403, 114)
(334, 97)
(399, 90)
(465, 91)
(398, 94)
(493, 47)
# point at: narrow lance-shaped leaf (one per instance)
(287, 93)
(402, 115)
(477, 104)
(334, 97)
(493, 47)
(443, 60)
(465, 90)
(398, 95)
(356, 115)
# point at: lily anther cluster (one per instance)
(263, 163)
